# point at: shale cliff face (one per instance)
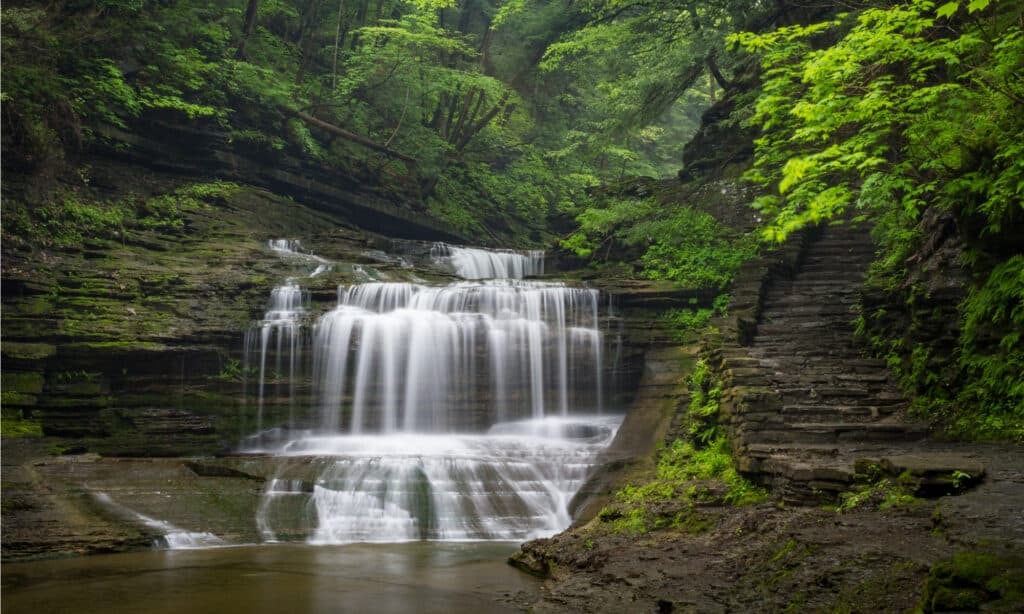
(129, 341)
(132, 346)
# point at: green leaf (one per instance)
(947, 10)
(977, 5)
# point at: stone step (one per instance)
(801, 328)
(777, 334)
(810, 451)
(839, 242)
(843, 315)
(840, 432)
(814, 289)
(843, 266)
(823, 345)
(811, 309)
(825, 265)
(789, 380)
(840, 252)
(841, 395)
(784, 301)
(866, 366)
(792, 414)
(806, 366)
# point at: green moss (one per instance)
(27, 351)
(695, 468)
(119, 346)
(80, 402)
(20, 428)
(972, 579)
(785, 550)
(27, 383)
(17, 398)
(30, 306)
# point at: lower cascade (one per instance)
(461, 412)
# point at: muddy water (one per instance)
(423, 577)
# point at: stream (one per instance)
(423, 577)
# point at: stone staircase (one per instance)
(802, 401)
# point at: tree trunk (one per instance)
(247, 27)
(306, 39)
(464, 116)
(337, 41)
(364, 6)
(472, 131)
(716, 73)
(345, 134)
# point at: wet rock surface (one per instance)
(67, 505)
(774, 558)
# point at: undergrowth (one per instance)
(695, 469)
(685, 320)
(671, 242)
(80, 213)
(972, 386)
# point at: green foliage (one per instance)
(992, 356)
(77, 215)
(685, 320)
(890, 112)
(884, 494)
(20, 427)
(440, 81)
(904, 111)
(691, 248)
(681, 244)
(695, 468)
(233, 371)
(637, 75)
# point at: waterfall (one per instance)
(278, 339)
(416, 358)
(475, 263)
(512, 482)
(466, 411)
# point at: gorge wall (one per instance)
(132, 344)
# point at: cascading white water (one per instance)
(293, 248)
(423, 359)
(475, 263)
(279, 336)
(173, 538)
(469, 411)
(513, 482)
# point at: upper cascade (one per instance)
(293, 248)
(476, 263)
(288, 246)
(416, 358)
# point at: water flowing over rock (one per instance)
(475, 263)
(279, 336)
(512, 482)
(420, 359)
(173, 538)
(466, 411)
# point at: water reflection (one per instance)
(383, 579)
